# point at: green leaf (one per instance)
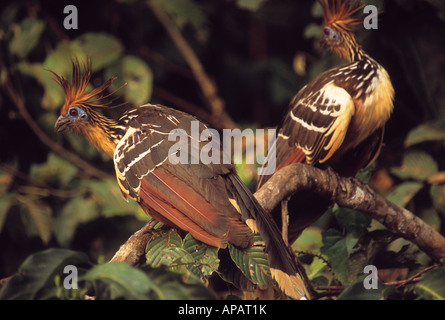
(76, 211)
(138, 77)
(431, 217)
(432, 131)
(438, 195)
(432, 286)
(185, 12)
(103, 48)
(252, 262)
(26, 36)
(6, 202)
(159, 242)
(172, 286)
(357, 291)
(310, 240)
(41, 216)
(107, 195)
(355, 222)
(335, 249)
(417, 165)
(35, 277)
(364, 175)
(55, 170)
(252, 5)
(53, 95)
(122, 280)
(402, 194)
(205, 257)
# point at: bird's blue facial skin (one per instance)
(77, 114)
(330, 35)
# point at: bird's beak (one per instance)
(323, 43)
(61, 124)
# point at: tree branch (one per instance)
(132, 251)
(346, 192)
(50, 143)
(353, 194)
(208, 88)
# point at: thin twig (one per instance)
(208, 88)
(417, 275)
(72, 157)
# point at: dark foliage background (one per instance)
(258, 54)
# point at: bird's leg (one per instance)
(285, 221)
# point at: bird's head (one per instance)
(337, 35)
(77, 113)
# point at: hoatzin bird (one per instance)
(337, 120)
(207, 200)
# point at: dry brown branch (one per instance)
(132, 251)
(353, 194)
(346, 192)
(208, 88)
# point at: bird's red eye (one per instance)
(327, 31)
(73, 112)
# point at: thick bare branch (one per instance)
(346, 192)
(353, 194)
(132, 251)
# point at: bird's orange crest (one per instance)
(339, 12)
(75, 93)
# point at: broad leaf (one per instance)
(40, 215)
(252, 261)
(35, 277)
(26, 36)
(357, 291)
(433, 131)
(335, 249)
(417, 165)
(402, 194)
(121, 280)
(205, 257)
(159, 242)
(55, 170)
(438, 195)
(103, 48)
(76, 211)
(138, 78)
(173, 286)
(432, 286)
(107, 195)
(355, 222)
(185, 12)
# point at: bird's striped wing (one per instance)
(314, 127)
(191, 196)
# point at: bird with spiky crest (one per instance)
(336, 120)
(207, 200)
